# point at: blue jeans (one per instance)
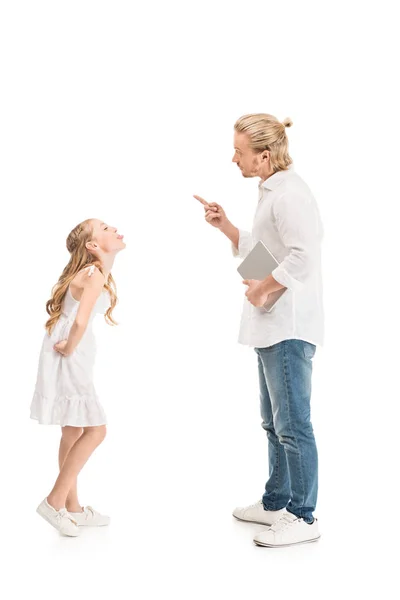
(285, 391)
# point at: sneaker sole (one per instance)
(86, 525)
(286, 545)
(251, 521)
(52, 524)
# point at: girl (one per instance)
(64, 393)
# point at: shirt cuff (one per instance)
(245, 244)
(283, 277)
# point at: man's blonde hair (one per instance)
(265, 132)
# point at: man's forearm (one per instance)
(231, 233)
(270, 285)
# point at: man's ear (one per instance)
(265, 156)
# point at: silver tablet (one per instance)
(258, 264)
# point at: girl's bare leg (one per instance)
(73, 463)
(69, 436)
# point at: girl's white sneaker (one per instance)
(289, 530)
(90, 518)
(60, 519)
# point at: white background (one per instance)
(122, 111)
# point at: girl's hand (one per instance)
(61, 348)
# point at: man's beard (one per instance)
(252, 173)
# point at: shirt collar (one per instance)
(272, 182)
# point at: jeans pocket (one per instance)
(309, 350)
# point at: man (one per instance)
(287, 220)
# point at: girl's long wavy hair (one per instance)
(80, 258)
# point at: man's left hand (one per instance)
(256, 293)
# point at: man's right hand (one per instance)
(214, 213)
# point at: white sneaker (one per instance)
(60, 519)
(256, 513)
(90, 518)
(289, 530)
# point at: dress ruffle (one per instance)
(64, 393)
(72, 411)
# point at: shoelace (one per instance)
(256, 505)
(61, 513)
(88, 510)
(64, 513)
(284, 521)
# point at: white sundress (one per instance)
(64, 393)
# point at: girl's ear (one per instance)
(90, 246)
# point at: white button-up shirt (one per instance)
(287, 220)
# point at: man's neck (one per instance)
(265, 174)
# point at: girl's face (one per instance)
(106, 237)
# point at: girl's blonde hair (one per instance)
(80, 258)
(265, 132)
